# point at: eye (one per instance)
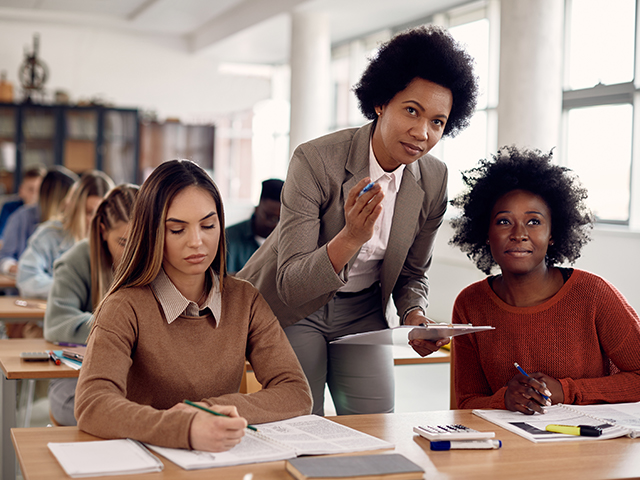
(438, 122)
(176, 232)
(534, 221)
(209, 227)
(502, 221)
(411, 111)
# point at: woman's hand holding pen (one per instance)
(526, 393)
(360, 213)
(214, 433)
(421, 346)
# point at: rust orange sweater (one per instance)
(138, 366)
(587, 336)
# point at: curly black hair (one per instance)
(427, 52)
(521, 169)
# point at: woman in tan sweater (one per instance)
(173, 327)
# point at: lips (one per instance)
(412, 149)
(517, 252)
(196, 258)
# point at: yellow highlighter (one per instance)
(584, 430)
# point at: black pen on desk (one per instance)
(213, 412)
(526, 374)
(54, 358)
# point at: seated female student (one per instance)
(53, 238)
(23, 222)
(174, 326)
(570, 330)
(81, 278)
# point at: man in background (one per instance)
(27, 194)
(244, 238)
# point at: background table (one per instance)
(14, 368)
(518, 458)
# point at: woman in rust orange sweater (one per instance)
(572, 331)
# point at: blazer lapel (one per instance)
(405, 218)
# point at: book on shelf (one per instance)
(104, 457)
(282, 440)
(615, 419)
(392, 466)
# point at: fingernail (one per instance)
(544, 410)
(547, 403)
(547, 392)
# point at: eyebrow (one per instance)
(421, 108)
(177, 220)
(529, 212)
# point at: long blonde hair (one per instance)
(92, 184)
(116, 207)
(53, 191)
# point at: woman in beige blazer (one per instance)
(338, 255)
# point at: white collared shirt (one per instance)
(366, 269)
(174, 304)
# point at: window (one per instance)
(598, 104)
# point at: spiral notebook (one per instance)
(616, 420)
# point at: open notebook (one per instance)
(305, 435)
(617, 420)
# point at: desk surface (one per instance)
(13, 367)
(7, 281)
(9, 310)
(518, 458)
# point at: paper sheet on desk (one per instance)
(401, 335)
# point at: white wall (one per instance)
(612, 254)
(130, 70)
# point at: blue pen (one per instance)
(368, 187)
(525, 373)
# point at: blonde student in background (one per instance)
(56, 236)
(81, 278)
(174, 326)
(571, 331)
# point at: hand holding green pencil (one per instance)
(213, 412)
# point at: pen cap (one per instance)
(441, 445)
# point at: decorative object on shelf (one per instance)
(33, 72)
(6, 89)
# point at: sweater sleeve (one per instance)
(472, 388)
(35, 266)
(69, 309)
(618, 329)
(101, 406)
(285, 392)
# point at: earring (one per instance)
(487, 241)
(551, 242)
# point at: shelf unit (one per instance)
(78, 137)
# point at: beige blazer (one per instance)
(292, 269)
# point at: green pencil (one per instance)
(189, 402)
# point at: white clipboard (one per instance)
(402, 334)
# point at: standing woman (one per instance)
(572, 331)
(81, 278)
(53, 238)
(174, 326)
(337, 254)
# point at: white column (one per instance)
(531, 54)
(310, 76)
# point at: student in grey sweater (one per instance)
(81, 277)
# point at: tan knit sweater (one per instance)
(137, 366)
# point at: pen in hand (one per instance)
(213, 412)
(527, 375)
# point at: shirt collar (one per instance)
(174, 304)
(376, 171)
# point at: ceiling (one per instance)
(238, 30)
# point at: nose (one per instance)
(420, 131)
(519, 232)
(194, 239)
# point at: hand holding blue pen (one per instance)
(526, 374)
